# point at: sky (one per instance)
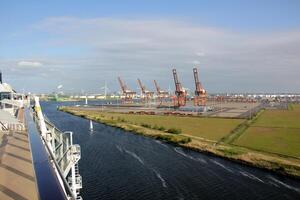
(237, 45)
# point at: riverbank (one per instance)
(280, 164)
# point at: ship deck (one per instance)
(17, 177)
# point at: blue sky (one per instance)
(237, 45)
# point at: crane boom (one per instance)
(127, 95)
(161, 94)
(141, 86)
(122, 85)
(178, 88)
(157, 87)
(179, 92)
(146, 94)
(200, 92)
(197, 82)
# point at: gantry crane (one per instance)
(180, 99)
(161, 94)
(200, 92)
(146, 94)
(127, 94)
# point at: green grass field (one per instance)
(278, 140)
(280, 118)
(276, 131)
(208, 128)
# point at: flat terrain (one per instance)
(208, 128)
(199, 127)
(275, 131)
(280, 118)
(231, 109)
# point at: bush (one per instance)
(174, 130)
(146, 125)
(174, 139)
(98, 118)
(185, 140)
(120, 119)
(231, 152)
(161, 128)
(167, 138)
(155, 127)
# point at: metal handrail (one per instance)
(46, 180)
(63, 159)
(56, 171)
(3, 126)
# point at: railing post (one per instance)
(53, 141)
(40, 116)
(61, 151)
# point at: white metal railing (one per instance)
(64, 153)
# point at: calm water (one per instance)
(119, 165)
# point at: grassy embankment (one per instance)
(218, 136)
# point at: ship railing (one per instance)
(49, 178)
(65, 154)
(78, 181)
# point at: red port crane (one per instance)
(200, 92)
(180, 99)
(127, 94)
(161, 94)
(146, 94)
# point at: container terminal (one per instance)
(181, 102)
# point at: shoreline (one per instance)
(283, 165)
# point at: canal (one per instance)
(120, 165)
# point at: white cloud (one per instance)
(201, 54)
(230, 61)
(196, 62)
(33, 64)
